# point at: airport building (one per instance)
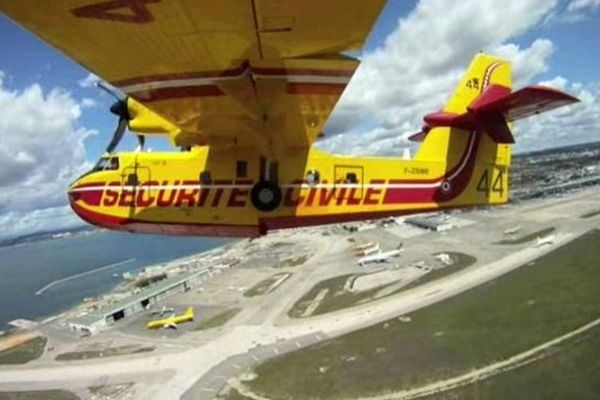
(94, 321)
(436, 222)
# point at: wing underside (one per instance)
(237, 72)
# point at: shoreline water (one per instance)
(32, 266)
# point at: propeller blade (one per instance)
(118, 135)
(109, 90)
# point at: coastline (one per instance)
(70, 307)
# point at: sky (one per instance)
(55, 123)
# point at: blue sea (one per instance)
(27, 268)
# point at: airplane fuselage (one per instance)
(209, 192)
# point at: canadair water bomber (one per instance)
(243, 89)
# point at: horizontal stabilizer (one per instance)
(494, 108)
(523, 103)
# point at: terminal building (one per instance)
(94, 321)
(435, 222)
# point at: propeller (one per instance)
(118, 108)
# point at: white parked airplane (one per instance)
(512, 231)
(369, 250)
(165, 310)
(379, 257)
(545, 241)
(360, 247)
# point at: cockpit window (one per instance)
(107, 164)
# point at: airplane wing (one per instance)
(170, 325)
(237, 72)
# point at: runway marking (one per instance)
(205, 389)
(254, 357)
(234, 365)
(275, 350)
(298, 344)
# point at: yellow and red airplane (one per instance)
(244, 88)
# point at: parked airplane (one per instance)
(379, 257)
(545, 241)
(172, 321)
(512, 231)
(246, 105)
(369, 250)
(165, 310)
(360, 247)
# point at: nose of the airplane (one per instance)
(85, 199)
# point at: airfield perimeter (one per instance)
(260, 309)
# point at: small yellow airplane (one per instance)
(244, 89)
(172, 321)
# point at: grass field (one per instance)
(110, 352)
(23, 353)
(217, 320)
(39, 395)
(543, 300)
(233, 395)
(528, 238)
(337, 298)
(263, 287)
(570, 372)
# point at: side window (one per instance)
(351, 178)
(205, 178)
(107, 164)
(114, 163)
(241, 169)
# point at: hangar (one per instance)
(94, 321)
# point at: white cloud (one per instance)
(41, 152)
(89, 81)
(526, 63)
(416, 69)
(87, 102)
(572, 12)
(47, 219)
(577, 123)
(93, 80)
(580, 5)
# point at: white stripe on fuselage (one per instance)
(428, 185)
